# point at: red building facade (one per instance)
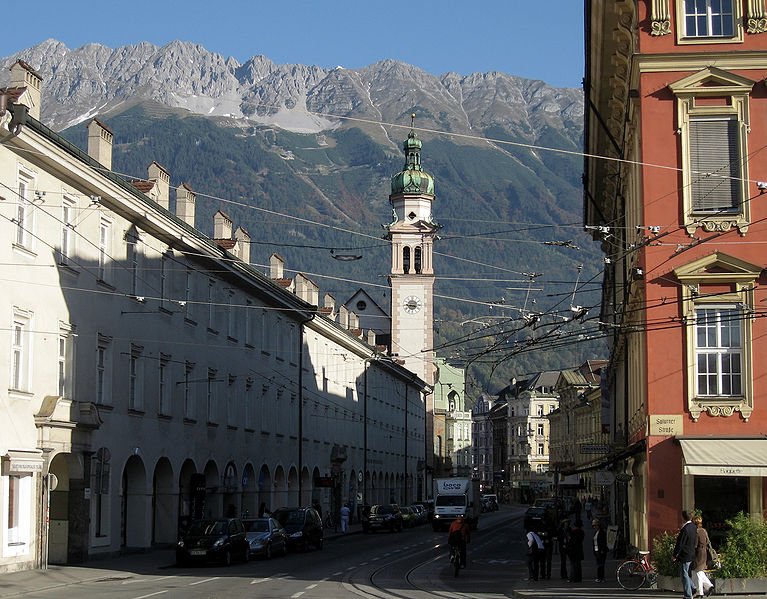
(676, 144)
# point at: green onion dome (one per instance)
(412, 179)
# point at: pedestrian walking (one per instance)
(534, 552)
(563, 532)
(345, 512)
(575, 551)
(600, 548)
(700, 581)
(684, 553)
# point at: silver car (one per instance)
(265, 537)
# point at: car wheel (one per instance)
(268, 552)
(227, 558)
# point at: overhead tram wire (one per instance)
(437, 132)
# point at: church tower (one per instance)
(412, 234)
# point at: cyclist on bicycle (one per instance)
(459, 535)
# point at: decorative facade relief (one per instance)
(660, 17)
(756, 16)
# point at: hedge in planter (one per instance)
(744, 551)
(663, 554)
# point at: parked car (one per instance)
(207, 540)
(266, 537)
(408, 516)
(428, 506)
(419, 512)
(383, 517)
(303, 526)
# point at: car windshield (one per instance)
(385, 509)
(536, 511)
(256, 525)
(208, 527)
(451, 500)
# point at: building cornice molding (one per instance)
(693, 62)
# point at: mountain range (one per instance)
(301, 156)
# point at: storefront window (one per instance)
(720, 498)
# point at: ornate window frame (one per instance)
(719, 279)
(737, 24)
(692, 94)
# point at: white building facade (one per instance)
(152, 375)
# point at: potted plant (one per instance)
(663, 559)
(744, 557)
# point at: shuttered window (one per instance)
(716, 164)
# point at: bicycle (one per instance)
(455, 557)
(637, 571)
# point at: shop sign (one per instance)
(666, 425)
(17, 465)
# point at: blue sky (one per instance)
(540, 39)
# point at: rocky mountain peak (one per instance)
(93, 79)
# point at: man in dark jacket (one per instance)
(684, 552)
(600, 548)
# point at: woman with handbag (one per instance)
(701, 582)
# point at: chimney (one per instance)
(100, 143)
(276, 266)
(242, 250)
(161, 179)
(185, 199)
(354, 320)
(307, 289)
(329, 302)
(343, 316)
(314, 293)
(23, 75)
(302, 286)
(222, 226)
(371, 340)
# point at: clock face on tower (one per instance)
(412, 304)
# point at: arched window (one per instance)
(406, 260)
(417, 260)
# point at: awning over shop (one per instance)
(725, 457)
